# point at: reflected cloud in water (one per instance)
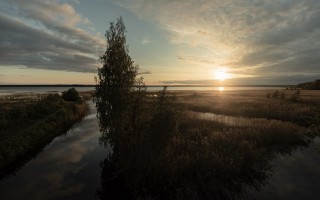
(66, 168)
(296, 176)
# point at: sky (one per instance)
(244, 42)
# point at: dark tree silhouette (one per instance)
(71, 95)
(115, 88)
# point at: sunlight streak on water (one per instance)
(225, 119)
(242, 121)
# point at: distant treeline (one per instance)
(315, 85)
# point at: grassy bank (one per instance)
(28, 126)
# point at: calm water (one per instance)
(13, 90)
(21, 90)
(294, 177)
(68, 168)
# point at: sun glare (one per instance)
(221, 74)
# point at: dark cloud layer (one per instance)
(44, 35)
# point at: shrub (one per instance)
(51, 98)
(275, 94)
(71, 95)
(268, 95)
(296, 96)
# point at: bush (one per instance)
(71, 95)
(296, 96)
(275, 94)
(268, 95)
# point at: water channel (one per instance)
(68, 168)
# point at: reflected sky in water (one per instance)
(68, 168)
(295, 176)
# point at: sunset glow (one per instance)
(221, 75)
(244, 43)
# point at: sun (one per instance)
(221, 89)
(221, 74)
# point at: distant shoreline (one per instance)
(83, 85)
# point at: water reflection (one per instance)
(295, 176)
(67, 168)
(243, 121)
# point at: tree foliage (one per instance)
(71, 95)
(115, 89)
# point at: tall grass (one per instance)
(303, 113)
(200, 147)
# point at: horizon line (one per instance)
(164, 85)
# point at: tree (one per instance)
(71, 95)
(115, 87)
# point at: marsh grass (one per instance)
(246, 104)
(218, 144)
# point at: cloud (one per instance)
(263, 37)
(146, 41)
(144, 72)
(282, 79)
(189, 82)
(45, 35)
(195, 60)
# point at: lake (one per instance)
(4, 90)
